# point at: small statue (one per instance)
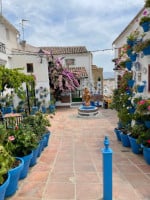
(87, 97)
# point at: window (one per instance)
(29, 67)
(70, 62)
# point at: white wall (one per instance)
(40, 70)
(143, 60)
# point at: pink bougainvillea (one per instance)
(62, 79)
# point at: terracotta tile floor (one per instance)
(70, 168)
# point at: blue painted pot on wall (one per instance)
(130, 42)
(3, 188)
(25, 169)
(14, 178)
(146, 154)
(131, 83)
(125, 140)
(146, 51)
(128, 65)
(133, 57)
(136, 148)
(140, 88)
(146, 26)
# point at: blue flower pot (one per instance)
(128, 65)
(46, 136)
(14, 178)
(146, 154)
(131, 83)
(52, 108)
(25, 169)
(131, 110)
(41, 147)
(117, 132)
(133, 57)
(3, 188)
(147, 124)
(130, 42)
(146, 51)
(129, 52)
(125, 140)
(146, 26)
(136, 148)
(140, 88)
(34, 157)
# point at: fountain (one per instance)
(87, 110)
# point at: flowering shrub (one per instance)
(145, 17)
(144, 138)
(61, 79)
(133, 35)
(143, 106)
(6, 163)
(20, 141)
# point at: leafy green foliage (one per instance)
(144, 138)
(136, 130)
(23, 141)
(13, 78)
(38, 123)
(6, 163)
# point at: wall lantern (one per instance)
(40, 54)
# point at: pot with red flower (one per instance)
(145, 21)
(23, 141)
(143, 107)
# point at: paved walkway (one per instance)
(70, 168)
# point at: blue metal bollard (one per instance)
(107, 170)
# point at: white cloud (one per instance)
(94, 24)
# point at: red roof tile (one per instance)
(66, 50)
(79, 71)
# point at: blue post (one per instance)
(107, 170)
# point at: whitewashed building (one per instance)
(18, 54)
(141, 66)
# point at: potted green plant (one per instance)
(144, 19)
(23, 142)
(143, 46)
(6, 163)
(144, 22)
(135, 132)
(132, 37)
(144, 141)
(39, 124)
(125, 119)
(143, 106)
(147, 4)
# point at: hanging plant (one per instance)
(147, 4)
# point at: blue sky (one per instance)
(91, 23)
